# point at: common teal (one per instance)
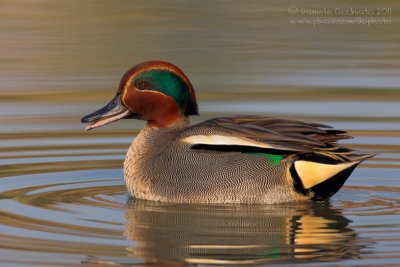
(239, 159)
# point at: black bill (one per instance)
(113, 111)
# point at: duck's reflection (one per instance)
(238, 234)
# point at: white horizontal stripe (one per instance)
(227, 140)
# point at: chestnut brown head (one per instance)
(155, 91)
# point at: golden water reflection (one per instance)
(239, 234)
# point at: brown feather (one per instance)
(295, 136)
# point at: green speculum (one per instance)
(276, 159)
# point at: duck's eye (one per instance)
(142, 85)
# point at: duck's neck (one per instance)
(182, 122)
(154, 137)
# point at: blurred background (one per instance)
(62, 195)
(72, 54)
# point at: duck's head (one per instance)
(155, 91)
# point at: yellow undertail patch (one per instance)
(313, 173)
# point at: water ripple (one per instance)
(61, 195)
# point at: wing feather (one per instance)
(284, 136)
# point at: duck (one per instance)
(248, 159)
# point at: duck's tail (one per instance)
(323, 175)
